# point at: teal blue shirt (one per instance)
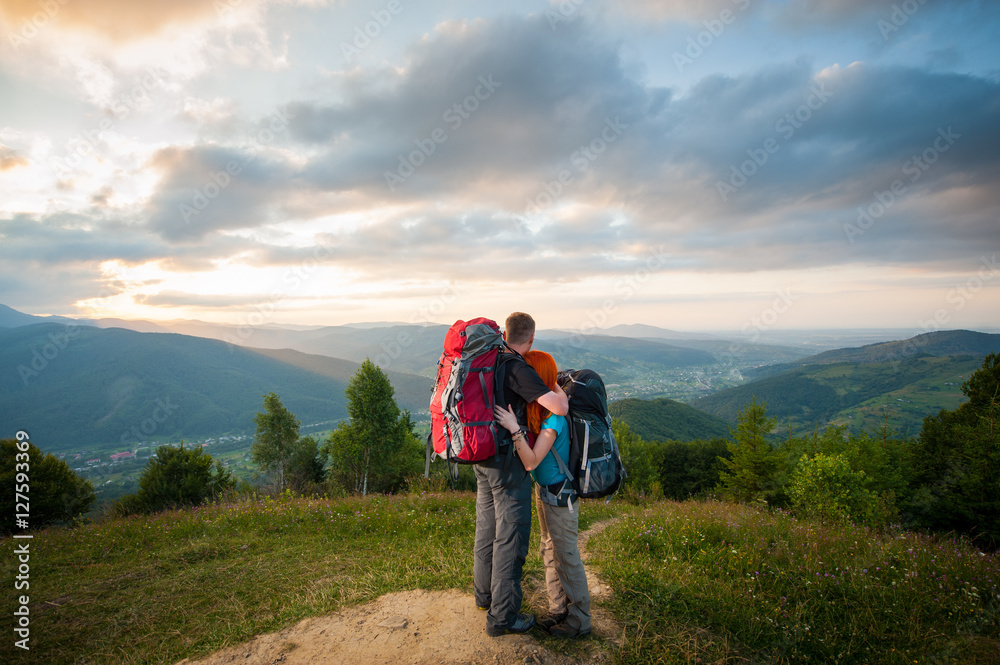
(548, 473)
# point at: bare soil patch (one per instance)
(418, 628)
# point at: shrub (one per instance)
(57, 495)
(826, 487)
(176, 477)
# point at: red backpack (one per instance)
(470, 369)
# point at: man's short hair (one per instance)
(519, 328)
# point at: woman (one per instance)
(558, 509)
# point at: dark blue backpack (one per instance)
(595, 462)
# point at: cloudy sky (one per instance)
(697, 165)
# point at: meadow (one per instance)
(715, 582)
(693, 582)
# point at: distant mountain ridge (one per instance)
(96, 381)
(72, 387)
(937, 344)
(911, 378)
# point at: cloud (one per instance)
(501, 150)
(205, 189)
(10, 159)
(679, 10)
(505, 97)
(219, 111)
(117, 20)
(836, 136)
(169, 298)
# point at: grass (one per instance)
(184, 583)
(714, 582)
(156, 589)
(708, 581)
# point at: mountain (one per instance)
(935, 344)
(665, 419)
(412, 392)
(643, 331)
(75, 386)
(11, 318)
(620, 359)
(902, 381)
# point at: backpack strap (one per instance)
(500, 394)
(565, 471)
(428, 455)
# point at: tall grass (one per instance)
(715, 582)
(708, 582)
(184, 583)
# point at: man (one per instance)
(503, 498)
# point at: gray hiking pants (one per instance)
(503, 525)
(565, 576)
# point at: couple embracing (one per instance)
(535, 408)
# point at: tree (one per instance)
(637, 458)
(982, 389)
(882, 459)
(55, 494)
(305, 465)
(276, 438)
(750, 474)
(176, 477)
(691, 468)
(371, 451)
(956, 462)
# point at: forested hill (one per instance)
(76, 386)
(936, 344)
(903, 381)
(665, 420)
(412, 392)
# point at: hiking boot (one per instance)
(550, 619)
(522, 624)
(567, 631)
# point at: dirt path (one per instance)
(415, 628)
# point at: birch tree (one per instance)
(277, 434)
(366, 452)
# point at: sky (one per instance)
(734, 165)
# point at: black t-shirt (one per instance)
(521, 386)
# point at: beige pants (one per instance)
(565, 577)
